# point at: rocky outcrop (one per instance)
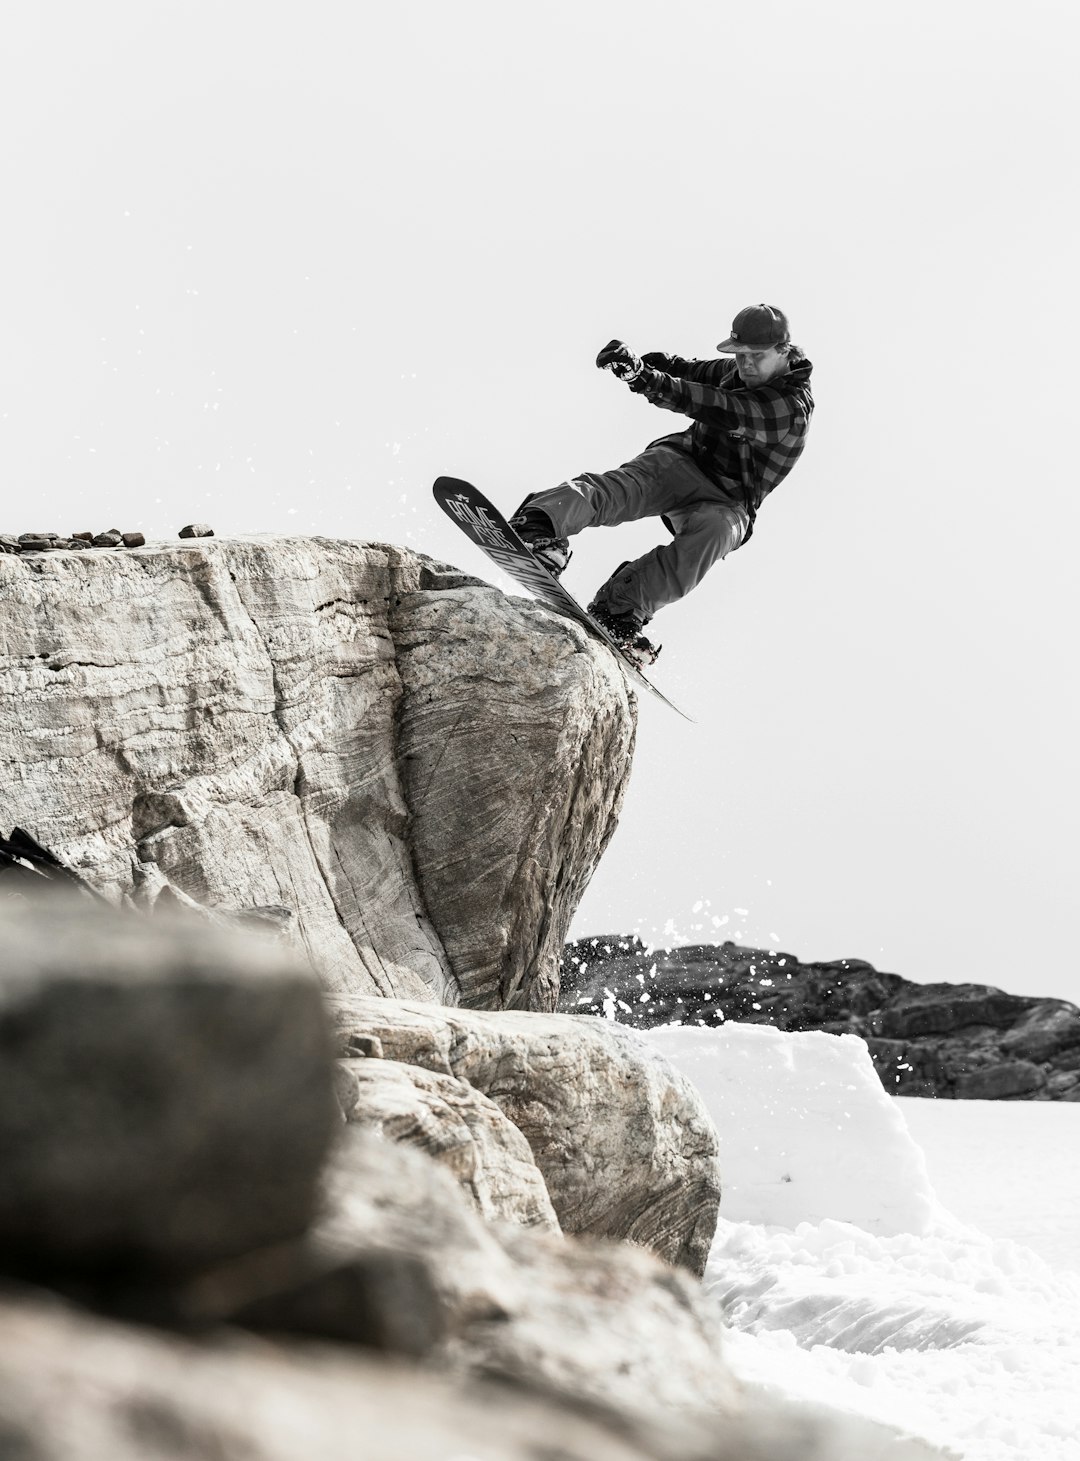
(962, 1041)
(424, 771)
(588, 1097)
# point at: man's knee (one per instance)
(710, 528)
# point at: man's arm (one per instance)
(669, 364)
(766, 415)
(677, 366)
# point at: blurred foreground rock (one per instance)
(166, 1092)
(423, 770)
(77, 1388)
(962, 1041)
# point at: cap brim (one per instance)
(729, 347)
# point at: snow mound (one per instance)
(807, 1132)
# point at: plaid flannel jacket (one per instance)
(751, 436)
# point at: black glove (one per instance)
(620, 360)
(657, 360)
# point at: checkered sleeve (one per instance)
(770, 414)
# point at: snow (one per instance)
(850, 1287)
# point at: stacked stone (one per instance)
(77, 542)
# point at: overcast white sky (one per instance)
(279, 266)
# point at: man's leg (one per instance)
(649, 485)
(705, 532)
(661, 482)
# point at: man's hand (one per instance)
(657, 360)
(620, 360)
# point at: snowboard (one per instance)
(485, 526)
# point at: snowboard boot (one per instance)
(625, 630)
(537, 532)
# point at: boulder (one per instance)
(1050, 1029)
(166, 1094)
(425, 771)
(456, 1124)
(941, 1009)
(997, 1081)
(590, 1098)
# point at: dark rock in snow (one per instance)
(968, 1041)
(197, 530)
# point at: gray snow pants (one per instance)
(708, 524)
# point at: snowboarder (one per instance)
(706, 484)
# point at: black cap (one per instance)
(756, 328)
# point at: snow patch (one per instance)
(847, 1287)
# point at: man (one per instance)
(707, 483)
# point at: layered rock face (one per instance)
(962, 1041)
(420, 772)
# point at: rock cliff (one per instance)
(963, 1041)
(420, 770)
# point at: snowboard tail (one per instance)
(485, 525)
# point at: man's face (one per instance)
(756, 365)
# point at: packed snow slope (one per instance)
(846, 1283)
